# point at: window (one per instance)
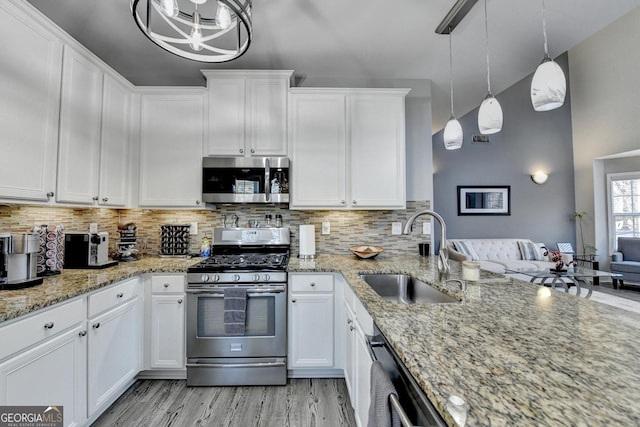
(624, 193)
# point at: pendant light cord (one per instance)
(451, 72)
(486, 33)
(544, 32)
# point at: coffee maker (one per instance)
(18, 254)
(87, 250)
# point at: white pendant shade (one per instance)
(548, 87)
(490, 116)
(453, 134)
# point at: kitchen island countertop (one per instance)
(515, 358)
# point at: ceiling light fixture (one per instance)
(549, 86)
(189, 33)
(453, 130)
(490, 113)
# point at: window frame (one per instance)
(611, 177)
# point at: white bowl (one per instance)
(366, 251)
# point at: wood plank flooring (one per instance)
(301, 403)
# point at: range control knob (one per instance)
(216, 278)
(267, 277)
(256, 277)
(204, 278)
(236, 277)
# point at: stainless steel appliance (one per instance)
(412, 405)
(87, 250)
(245, 180)
(18, 254)
(252, 260)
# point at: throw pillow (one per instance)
(529, 251)
(465, 248)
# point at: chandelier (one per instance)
(200, 30)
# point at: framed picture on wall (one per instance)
(484, 200)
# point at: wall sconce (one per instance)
(539, 177)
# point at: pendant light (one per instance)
(490, 113)
(549, 86)
(452, 131)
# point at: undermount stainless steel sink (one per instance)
(404, 289)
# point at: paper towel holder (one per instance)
(310, 247)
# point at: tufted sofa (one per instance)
(626, 260)
(497, 254)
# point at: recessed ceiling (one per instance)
(356, 39)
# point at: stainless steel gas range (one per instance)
(236, 309)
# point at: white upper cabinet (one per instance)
(29, 106)
(247, 112)
(171, 141)
(114, 146)
(347, 148)
(80, 127)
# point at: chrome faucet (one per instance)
(443, 255)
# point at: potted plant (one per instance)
(586, 248)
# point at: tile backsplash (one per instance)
(348, 228)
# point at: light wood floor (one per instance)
(301, 403)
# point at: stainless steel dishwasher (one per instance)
(412, 405)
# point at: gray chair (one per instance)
(626, 260)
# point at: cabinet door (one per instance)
(171, 138)
(80, 116)
(349, 352)
(29, 106)
(51, 374)
(377, 145)
(318, 152)
(226, 117)
(114, 353)
(363, 364)
(311, 330)
(266, 130)
(167, 331)
(114, 146)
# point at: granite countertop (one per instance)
(72, 283)
(515, 358)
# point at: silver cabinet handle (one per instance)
(355, 202)
(342, 202)
(312, 284)
(96, 325)
(241, 150)
(180, 301)
(349, 321)
(197, 202)
(253, 151)
(48, 325)
(95, 198)
(166, 285)
(351, 328)
(293, 300)
(50, 194)
(105, 199)
(82, 333)
(120, 295)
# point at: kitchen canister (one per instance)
(307, 241)
(471, 271)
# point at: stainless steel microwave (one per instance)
(231, 180)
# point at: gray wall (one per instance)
(528, 141)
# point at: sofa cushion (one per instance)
(630, 248)
(625, 266)
(465, 248)
(492, 249)
(529, 250)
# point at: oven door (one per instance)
(265, 326)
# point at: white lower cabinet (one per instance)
(362, 362)
(114, 345)
(51, 373)
(349, 351)
(167, 323)
(311, 321)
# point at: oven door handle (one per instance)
(237, 365)
(253, 292)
